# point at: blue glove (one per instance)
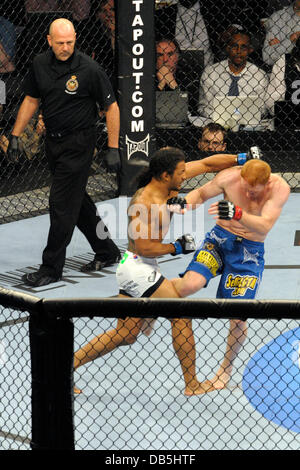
(253, 153)
(184, 245)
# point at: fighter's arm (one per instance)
(145, 233)
(197, 196)
(219, 162)
(210, 164)
(262, 223)
(148, 224)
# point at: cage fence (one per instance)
(132, 397)
(192, 78)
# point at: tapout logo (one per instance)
(137, 123)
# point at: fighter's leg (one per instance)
(237, 328)
(183, 341)
(236, 338)
(125, 333)
(189, 284)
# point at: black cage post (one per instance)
(51, 344)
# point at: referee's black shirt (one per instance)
(69, 90)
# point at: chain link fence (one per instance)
(133, 398)
(234, 64)
(15, 372)
(223, 63)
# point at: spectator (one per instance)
(285, 72)
(13, 11)
(191, 30)
(7, 45)
(167, 57)
(237, 15)
(233, 76)
(30, 141)
(165, 18)
(274, 5)
(212, 139)
(170, 73)
(98, 39)
(79, 8)
(106, 13)
(283, 30)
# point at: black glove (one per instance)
(13, 149)
(253, 153)
(227, 210)
(184, 245)
(112, 159)
(176, 204)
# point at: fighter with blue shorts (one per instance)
(239, 261)
(234, 248)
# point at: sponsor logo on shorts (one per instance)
(152, 276)
(240, 284)
(206, 258)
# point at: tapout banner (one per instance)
(136, 97)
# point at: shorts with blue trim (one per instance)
(239, 262)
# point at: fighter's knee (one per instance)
(181, 323)
(191, 283)
(130, 338)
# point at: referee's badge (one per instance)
(72, 85)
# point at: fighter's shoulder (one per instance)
(280, 187)
(142, 197)
(229, 175)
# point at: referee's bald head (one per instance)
(61, 38)
(61, 24)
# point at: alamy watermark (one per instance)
(153, 222)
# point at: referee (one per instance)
(68, 85)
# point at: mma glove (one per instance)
(13, 149)
(253, 153)
(184, 245)
(176, 204)
(112, 159)
(227, 211)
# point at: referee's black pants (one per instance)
(70, 159)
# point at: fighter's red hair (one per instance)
(256, 172)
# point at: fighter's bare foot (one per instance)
(213, 385)
(77, 390)
(195, 388)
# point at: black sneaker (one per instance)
(98, 265)
(38, 279)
